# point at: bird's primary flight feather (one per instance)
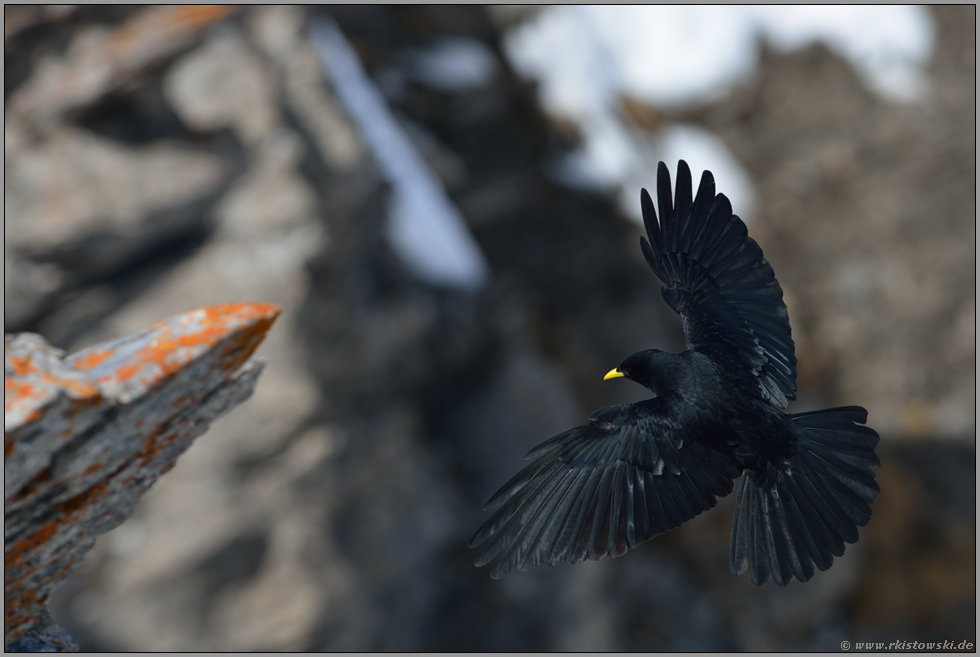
(717, 280)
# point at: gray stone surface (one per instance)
(86, 437)
(44, 636)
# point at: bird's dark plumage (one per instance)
(639, 470)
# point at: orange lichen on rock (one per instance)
(69, 507)
(153, 445)
(174, 342)
(15, 552)
(14, 390)
(34, 377)
(39, 481)
(116, 415)
(21, 365)
(76, 389)
(92, 358)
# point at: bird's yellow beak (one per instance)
(612, 374)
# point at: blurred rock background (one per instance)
(161, 159)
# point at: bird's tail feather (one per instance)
(793, 519)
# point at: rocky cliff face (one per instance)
(333, 510)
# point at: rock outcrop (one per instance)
(85, 436)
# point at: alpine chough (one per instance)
(638, 470)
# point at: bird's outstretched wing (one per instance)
(602, 488)
(715, 277)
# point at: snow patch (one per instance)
(425, 227)
(587, 58)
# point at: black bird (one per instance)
(638, 470)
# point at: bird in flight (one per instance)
(636, 471)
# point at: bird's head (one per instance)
(651, 368)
